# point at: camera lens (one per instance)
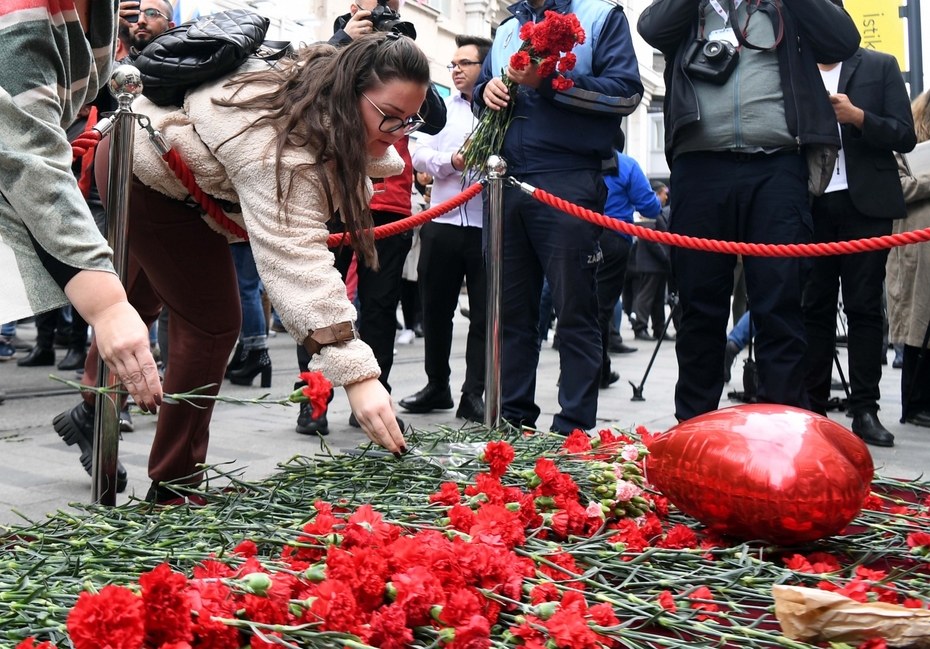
(714, 50)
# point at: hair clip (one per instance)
(392, 36)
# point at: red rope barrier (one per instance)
(86, 141)
(390, 229)
(734, 248)
(207, 202)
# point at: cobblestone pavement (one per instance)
(40, 474)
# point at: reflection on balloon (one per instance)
(763, 471)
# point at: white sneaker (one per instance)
(406, 337)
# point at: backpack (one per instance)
(201, 50)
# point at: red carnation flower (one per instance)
(532, 637)
(910, 602)
(474, 634)
(448, 494)
(578, 441)
(678, 538)
(167, 610)
(29, 643)
(918, 539)
(667, 601)
(822, 562)
(334, 606)
(544, 592)
(873, 503)
(569, 629)
(389, 628)
(547, 66)
(246, 549)
(603, 615)
(114, 617)
(418, 590)
(460, 606)
(526, 31)
(798, 563)
(874, 643)
(703, 593)
(520, 60)
(213, 600)
(461, 518)
(567, 62)
(498, 455)
(318, 390)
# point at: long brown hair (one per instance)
(920, 108)
(315, 105)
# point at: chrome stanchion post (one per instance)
(125, 84)
(497, 169)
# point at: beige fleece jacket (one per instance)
(290, 249)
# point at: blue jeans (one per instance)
(740, 333)
(8, 329)
(253, 334)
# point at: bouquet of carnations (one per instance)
(547, 44)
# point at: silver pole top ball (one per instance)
(125, 84)
(497, 166)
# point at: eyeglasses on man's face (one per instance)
(461, 65)
(150, 14)
(391, 123)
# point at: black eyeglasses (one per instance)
(151, 13)
(390, 123)
(461, 65)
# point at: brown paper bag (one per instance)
(815, 615)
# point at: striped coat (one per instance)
(51, 66)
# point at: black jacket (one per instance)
(433, 110)
(873, 82)
(651, 256)
(822, 33)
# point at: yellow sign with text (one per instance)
(881, 26)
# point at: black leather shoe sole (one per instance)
(74, 429)
(920, 419)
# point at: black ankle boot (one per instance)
(256, 361)
(238, 358)
(76, 426)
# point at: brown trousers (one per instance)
(176, 260)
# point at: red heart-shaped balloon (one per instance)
(763, 471)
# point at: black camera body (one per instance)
(712, 61)
(385, 19)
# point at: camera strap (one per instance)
(741, 33)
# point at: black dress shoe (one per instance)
(867, 426)
(608, 380)
(307, 425)
(76, 426)
(620, 348)
(921, 418)
(432, 397)
(471, 408)
(666, 336)
(38, 357)
(73, 360)
(642, 334)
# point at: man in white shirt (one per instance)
(451, 248)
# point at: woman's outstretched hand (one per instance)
(122, 337)
(374, 410)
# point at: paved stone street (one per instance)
(40, 474)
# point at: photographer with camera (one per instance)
(369, 16)
(749, 132)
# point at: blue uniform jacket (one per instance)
(628, 189)
(572, 129)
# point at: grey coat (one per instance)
(908, 269)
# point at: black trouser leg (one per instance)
(610, 276)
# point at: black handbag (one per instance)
(201, 50)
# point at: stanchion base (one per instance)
(637, 392)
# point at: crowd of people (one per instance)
(767, 143)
